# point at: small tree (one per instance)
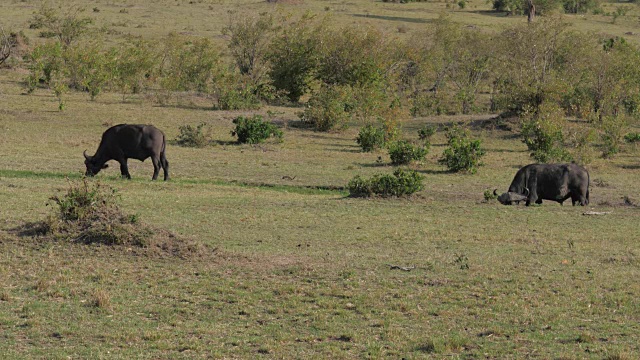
(189, 64)
(329, 108)
(192, 136)
(90, 67)
(463, 153)
(403, 152)
(67, 27)
(370, 138)
(134, 66)
(248, 43)
(612, 133)
(401, 183)
(254, 130)
(293, 55)
(6, 44)
(353, 56)
(542, 132)
(43, 62)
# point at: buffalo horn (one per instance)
(86, 156)
(495, 192)
(516, 197)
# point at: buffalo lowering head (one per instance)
(509, 198)
(92, 166)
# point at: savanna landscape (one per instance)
(299, 243)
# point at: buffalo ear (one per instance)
(105, 166)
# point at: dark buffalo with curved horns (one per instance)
(124, 141)
(557, 182)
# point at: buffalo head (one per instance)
(93, 167)
(509, 198)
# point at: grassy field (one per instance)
(293, 268)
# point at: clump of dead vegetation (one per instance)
(88, 213)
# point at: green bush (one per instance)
(463, 153)
(542, 133)
(237, 94)
(399, 184)
(632, 137)
(425, 133)
(88, 213)
(612, 128)
(329, 108)
(83, 200)
(43, 62)
(189, 64)
(403, 152)
(254, 130)
(489, 195)
(90, 67)
(580, 6)
(370, 138)
(293, 56)
(430, 103)
(192, 136)
(248, 42)
(353, 56)
(135, 66)
(67, 27)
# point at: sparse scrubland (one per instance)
(332, 176)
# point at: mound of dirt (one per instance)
(88, 214)
(137, 239)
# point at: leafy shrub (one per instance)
(353, 56)
(237, 95)
(249, 38)
(88, 213)
(463, 153)
(82, 201)
(44, 62)
(293, 56)
(66, 27)
(580, 6)
(403, 152)
(189, 64)
(400, 183)
(90, 67)
(192, 136)
(134, 67)
(370, 138)
(431, 103)
(542, 133)
(489, 195)
(612, 128)
(632, 137)
(581, 142)
(425, 133)
(254, 130)
(7, 42)
(329, 108)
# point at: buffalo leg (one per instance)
(533, 198)
(156, 167)
(165, 166)
(124, 169)
(581, 200)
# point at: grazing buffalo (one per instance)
(122, 142)
(557, 182)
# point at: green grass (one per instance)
(295, 268)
